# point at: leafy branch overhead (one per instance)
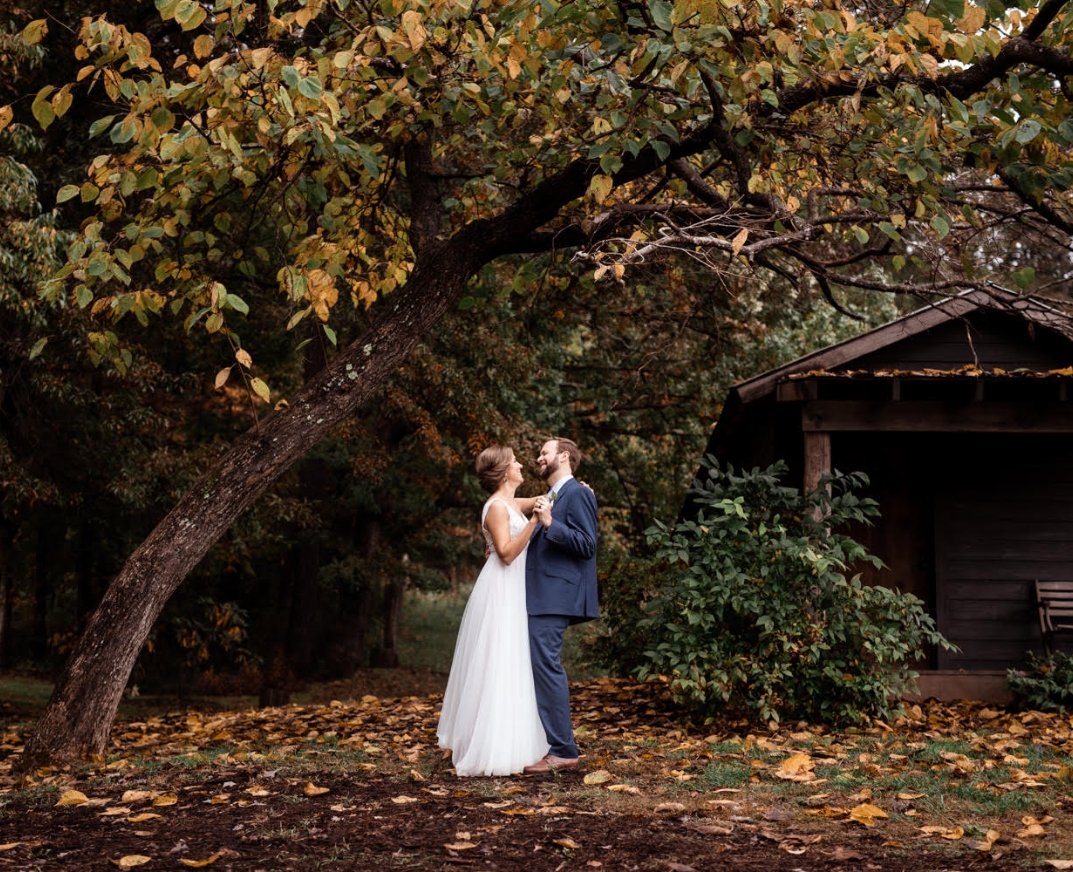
(319, 152)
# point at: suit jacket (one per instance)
(560, 566)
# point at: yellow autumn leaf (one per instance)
(567, 842)
(312, 789)
(988, 842)
(600, 187)
(738, 241)
(797, 767)
(137, 795)
(132, 860)
(460, 846)
(403, 799)
(243, 357)
(6, 114)
(258, 790)
(1059, 864)
(166, 799)
(71, 797)
(7, 846)
(866, 814)
(623, 788)
(908, 797)
(115, 811)
(1031, 831)
(145, 816)
(201, 864)
(600, 776)
(203, 46)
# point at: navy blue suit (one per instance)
(560, 589)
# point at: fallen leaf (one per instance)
(132, 860)
(145, 816)
(71, 797)
(1031, 831)
(7, 846)
(623, 788)
(137, 795)
(258, 790)
(115, 811)
(601, 776)
(909, 797)
(1059, 864)
(201, 864)
(312, 790)
(988, 842)
(567, 842)
(403, 800)
(866, 814)
(797, 767)
(165, 799)
(460, 846)
(842, 854)
(669, 808)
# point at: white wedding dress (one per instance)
(489, 718)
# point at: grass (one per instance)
(430, 623)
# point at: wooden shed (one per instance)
(961, 414)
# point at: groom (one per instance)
(560, 589)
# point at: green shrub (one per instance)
(1047, 684)
(753, 610)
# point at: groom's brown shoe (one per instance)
(551, 763)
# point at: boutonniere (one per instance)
(554, 495)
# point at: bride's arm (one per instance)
(498, 523)
(525, 504)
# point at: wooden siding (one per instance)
(1003, 517)
(999, 340)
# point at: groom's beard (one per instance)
(549, 470)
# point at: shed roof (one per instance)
(1030, 309)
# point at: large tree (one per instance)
(389, 151)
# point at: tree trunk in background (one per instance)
(5, 604)
(45, 570)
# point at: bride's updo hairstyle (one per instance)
(492, 466)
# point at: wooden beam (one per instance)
(817, 458)
(824, 416)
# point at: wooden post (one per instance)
(817, 457)
(817, 462)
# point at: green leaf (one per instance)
(67, 192)
(310, 87)
(234, 301)
(38, 347)
(261, 389)
(1027, 130)
(329, 333)
(42, 108)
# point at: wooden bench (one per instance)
(1054, 599)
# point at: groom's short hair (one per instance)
(572, 451)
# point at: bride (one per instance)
(489, 719)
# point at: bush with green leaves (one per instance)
(754, 611)
(1046, 685)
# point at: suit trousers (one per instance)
(549, 678)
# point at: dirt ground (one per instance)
(367, 823)
(358, 784)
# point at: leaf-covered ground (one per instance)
(360, 784)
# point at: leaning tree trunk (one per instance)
(78, 719)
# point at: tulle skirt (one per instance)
(489, 718)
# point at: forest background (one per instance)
(109, 413)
